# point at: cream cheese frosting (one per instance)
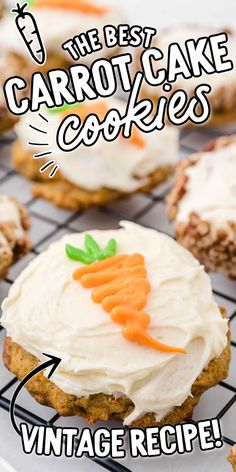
(59, 25)
(3, 64)
(179, 34)
(47, 311)
(118, 165)
(211, 188)
(10, 213)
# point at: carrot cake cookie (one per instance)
(232, 457)
(14, 224)
(131, 315)
(9, 66)
(58, 21)
(222, 98)
(97, 174)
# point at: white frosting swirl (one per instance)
(118, 165)
(59, 25)
(211, 188)
(46, 311)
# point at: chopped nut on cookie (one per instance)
(202, 205)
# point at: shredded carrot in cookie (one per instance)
(120, 284)
(83, 6)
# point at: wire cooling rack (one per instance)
(50, 223)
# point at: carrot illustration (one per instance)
(29, 31)
(83, 6)
(120, 284)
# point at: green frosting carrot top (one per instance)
(63, 108)
(93, 252)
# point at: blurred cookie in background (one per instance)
(97, 174)
(222, 97)
(2, 7)
(10, 65)
(202, 205)
(14, 226)
(57, 22)
(131, 293)
(232, 457)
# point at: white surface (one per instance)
(5, 466)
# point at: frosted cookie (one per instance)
(9, 66)
(222, 98)
(2, 7)
(232, 457)
(132, 316)
(58, 21)
(202, 205)
(14, 224)
(97, 174)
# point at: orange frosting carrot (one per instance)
(100, 109)
(122, 315)
(120, 284)
(83, 6)
(134, 331)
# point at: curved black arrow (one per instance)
(53, 362)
